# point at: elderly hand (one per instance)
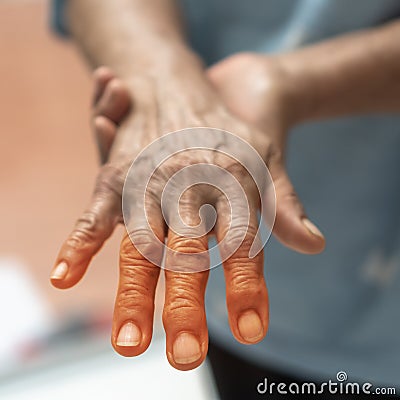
(184, 316)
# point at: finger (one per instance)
(114, 102)
(140, 261)
(292, 227)
(246, 291)
(101, 77)
(184, 316)
(105, 131)
(91, 230)
(134, 304)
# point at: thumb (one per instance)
(292, 227)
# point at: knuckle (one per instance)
(230, 165)
(291, 195)
(142, 237)
(89, 222)
(181, 312)
(184, 297)
(187, 254)
(132, 295)
(86, 231)
(185, 289)
(137, 286)
(245, 279)
(114, 85)
(109, 180)
(238, 240)
(182, 304)
(289, 200)
(77, 240)
(139, 246)
(188, 245)
(275, 155)
(131, 274)
(235, 166)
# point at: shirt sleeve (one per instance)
(57, 17)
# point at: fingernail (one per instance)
(129, 335)
(250, 326)
(60, 271)
(312, 228)
(186, 349)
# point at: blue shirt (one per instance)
(339, 310)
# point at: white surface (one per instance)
(103, 376)
(109, 376)
(23, 310)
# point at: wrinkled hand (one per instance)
(253, 87)
(184, 317)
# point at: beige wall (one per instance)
(48, 160)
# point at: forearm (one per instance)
(133, 37)
(353, 74)
(143, 42)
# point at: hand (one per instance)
(252, 86)
(255, 88)
(183, 316)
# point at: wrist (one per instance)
(177, 78)
(297, 89)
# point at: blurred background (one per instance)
(55, 344)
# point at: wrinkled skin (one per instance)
(251, 104)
